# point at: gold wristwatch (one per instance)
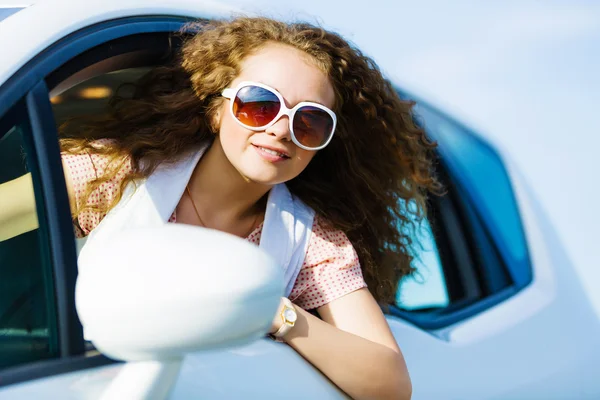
(288, 318)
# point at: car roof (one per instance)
(20, 43)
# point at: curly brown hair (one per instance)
(378, 161)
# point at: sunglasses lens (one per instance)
(312, 126)
(254, 106)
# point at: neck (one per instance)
(220, 189)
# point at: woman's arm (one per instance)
(353, 346)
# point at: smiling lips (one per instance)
(271, 154)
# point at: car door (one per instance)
(76, 78)
(489, 315)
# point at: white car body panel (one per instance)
(542, 343)
(263, 369)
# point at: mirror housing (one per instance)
(158, 293)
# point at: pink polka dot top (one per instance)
(331, 268)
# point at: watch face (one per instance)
(290, 315)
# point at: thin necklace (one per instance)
(187, 188)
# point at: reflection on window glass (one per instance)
(427, 288)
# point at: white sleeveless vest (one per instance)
(285, 234)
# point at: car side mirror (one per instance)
(154, 294)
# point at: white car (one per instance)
(498, 311)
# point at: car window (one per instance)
(27, 317)
(476, 255)
(480, 172)
(426, 289)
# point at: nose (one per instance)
(280, 129)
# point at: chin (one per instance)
(263, 177)
(261, 180)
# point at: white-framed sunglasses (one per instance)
(256, 106)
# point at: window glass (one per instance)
(426, 289)
(27, 316)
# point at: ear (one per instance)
(217, 111)
(215, 123)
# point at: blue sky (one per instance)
(523, 73)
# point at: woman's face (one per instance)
(291, 73)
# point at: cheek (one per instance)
(304, 157)
(230, 131)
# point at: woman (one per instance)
(277, 103)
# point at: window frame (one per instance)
(30, 84)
